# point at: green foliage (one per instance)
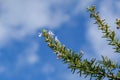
(108, 33)
(118, 23)
(95, 69)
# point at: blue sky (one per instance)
(25, 56)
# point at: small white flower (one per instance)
(56, 39)
(51, 33)
(59, 56)
(40, 34)
(81, 52)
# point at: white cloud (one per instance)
(31, 13)
(19, 18)
(99, 44)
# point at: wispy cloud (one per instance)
(19, 18)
